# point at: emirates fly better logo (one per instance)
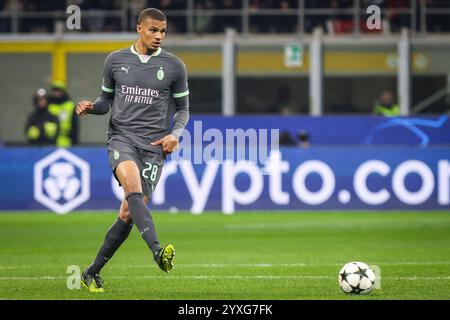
(137, 94)
(61, 181)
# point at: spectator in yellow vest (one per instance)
(63, 107)
(386, 106)
(41, 127)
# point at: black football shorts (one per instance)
(149, 163)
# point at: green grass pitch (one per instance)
(245, 256)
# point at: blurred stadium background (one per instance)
(314, 70)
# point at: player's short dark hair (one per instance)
(152, 13)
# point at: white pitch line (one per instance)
(287, 225)
(253, 265)
(33, 278)
(418, 278)
(204, 277)
(239, 265)
(286, 265)
(276, 265)
(236, 277)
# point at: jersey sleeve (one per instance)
(108, 83)
(180, 85)
(180, 92)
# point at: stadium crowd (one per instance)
(211, 16)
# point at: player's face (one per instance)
(152, 32)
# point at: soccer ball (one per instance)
(356, 278)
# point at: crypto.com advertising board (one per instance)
(315, 178)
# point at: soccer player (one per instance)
(138, 85)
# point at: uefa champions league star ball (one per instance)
(356, 278)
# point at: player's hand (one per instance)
(84, 107)
(169, 143)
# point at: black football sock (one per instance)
(115, 236)
(142, 218)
